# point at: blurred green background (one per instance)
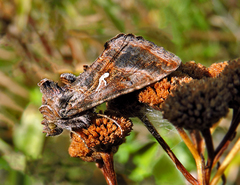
(44, 38)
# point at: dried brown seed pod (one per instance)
(194, 70)
(232, 73)
(198, 104)
(103, 135)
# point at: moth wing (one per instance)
(128, 63)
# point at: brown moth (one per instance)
(128, 63)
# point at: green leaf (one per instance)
(4, 164)
(28, 136)
(144, 161)
(166, 173)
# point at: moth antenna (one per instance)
(116, 123)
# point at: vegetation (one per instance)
(42, 39)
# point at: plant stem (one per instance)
(229, 135)
(167, 149)
(197, 140)
(107, 168)
(198, 159)
(225, 163)
(210, 150)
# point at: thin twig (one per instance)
(229, 135)
(210, 150)
(200, 165)
(165, 146)
(197, 140)
(225, 163)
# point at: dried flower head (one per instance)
(196, 71)
(103, 135)
(232, 73)
(198, 104)
(157, 93)
(216, 68)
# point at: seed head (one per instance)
(198, 104)
(103, 135)
(216, 68)
(232, 74)
(157, 93)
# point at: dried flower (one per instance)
(232, 73)
(198, 104)
(196, 71)
(157, 93)
(216, 68)
(103, 135)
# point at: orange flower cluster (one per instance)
(157, 93)
(103, 135)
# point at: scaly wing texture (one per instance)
(128, 63)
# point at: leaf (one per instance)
(166, 173)
(28, 136)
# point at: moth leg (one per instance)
(116, 123)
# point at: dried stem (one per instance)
(165, 146)
(197, 140)
(107, 168)
(227, 160)
(198, 159)
(210, 150)
(229, 135)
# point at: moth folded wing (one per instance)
(128, 63)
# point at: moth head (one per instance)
(51, 128)
(55, 99)
(51, 93)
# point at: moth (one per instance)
(128, 63)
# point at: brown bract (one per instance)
(103, 135)
(156, 94)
